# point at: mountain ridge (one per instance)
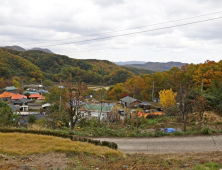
(18, 48)
(157, 66)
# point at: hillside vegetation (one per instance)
(14, 65)
(56, 67)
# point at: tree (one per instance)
(182, 83)
(116, 91)
(57, 110)
(7, 118)
(199, 106)
(73, 99)
(135, 86)
(167, 98)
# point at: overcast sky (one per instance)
(46, 23)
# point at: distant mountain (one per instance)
(157, 66)
(121, 63)
(18, 48)
(42, 49)
(15, 47)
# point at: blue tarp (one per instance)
(168, 130)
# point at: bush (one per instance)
(159, 134)
(172, 111)
(219, 109)
(31, 119)
(84, 122)
(206, 131)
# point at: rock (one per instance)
(2, 156)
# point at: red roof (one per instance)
(35, 96)
(41, 98)
(6, 95)
(18, 96)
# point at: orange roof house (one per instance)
(6, 95)
(18, 96)
(36, 96)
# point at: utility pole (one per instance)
(153, 91)
(201, 86)
(60, 98)
(41, 86)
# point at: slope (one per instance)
(14, 65)
(92, 71)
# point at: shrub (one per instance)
(206, 131)
(159, 133)
(31, 119)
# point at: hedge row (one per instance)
(51, 133)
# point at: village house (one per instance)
(23, 103)
(145, 105)
(94, 111)
(11, 89)
(18, 96)
(6, 96)
(130, 102)
(36, 96)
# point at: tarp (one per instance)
(168, 130)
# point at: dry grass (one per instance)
(95, 87)
(36, 127)
(25, 144)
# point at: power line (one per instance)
(129, 28)
(95, 39)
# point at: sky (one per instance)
(68, 27)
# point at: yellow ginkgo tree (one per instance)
(167, 98)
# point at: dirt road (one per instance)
(168, 144)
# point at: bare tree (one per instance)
(73, 99)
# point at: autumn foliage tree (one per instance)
(167, 98)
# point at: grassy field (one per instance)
(26, 144)
(29, 152)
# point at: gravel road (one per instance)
(168, 144)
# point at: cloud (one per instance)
(107, 2)
(28, 23)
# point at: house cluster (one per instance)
(22, 104)
(31, 104)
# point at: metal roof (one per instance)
(145, 104)
(10, 88)
(128, 99)
(98, 108)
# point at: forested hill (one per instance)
(14, 65)
(56, 67)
